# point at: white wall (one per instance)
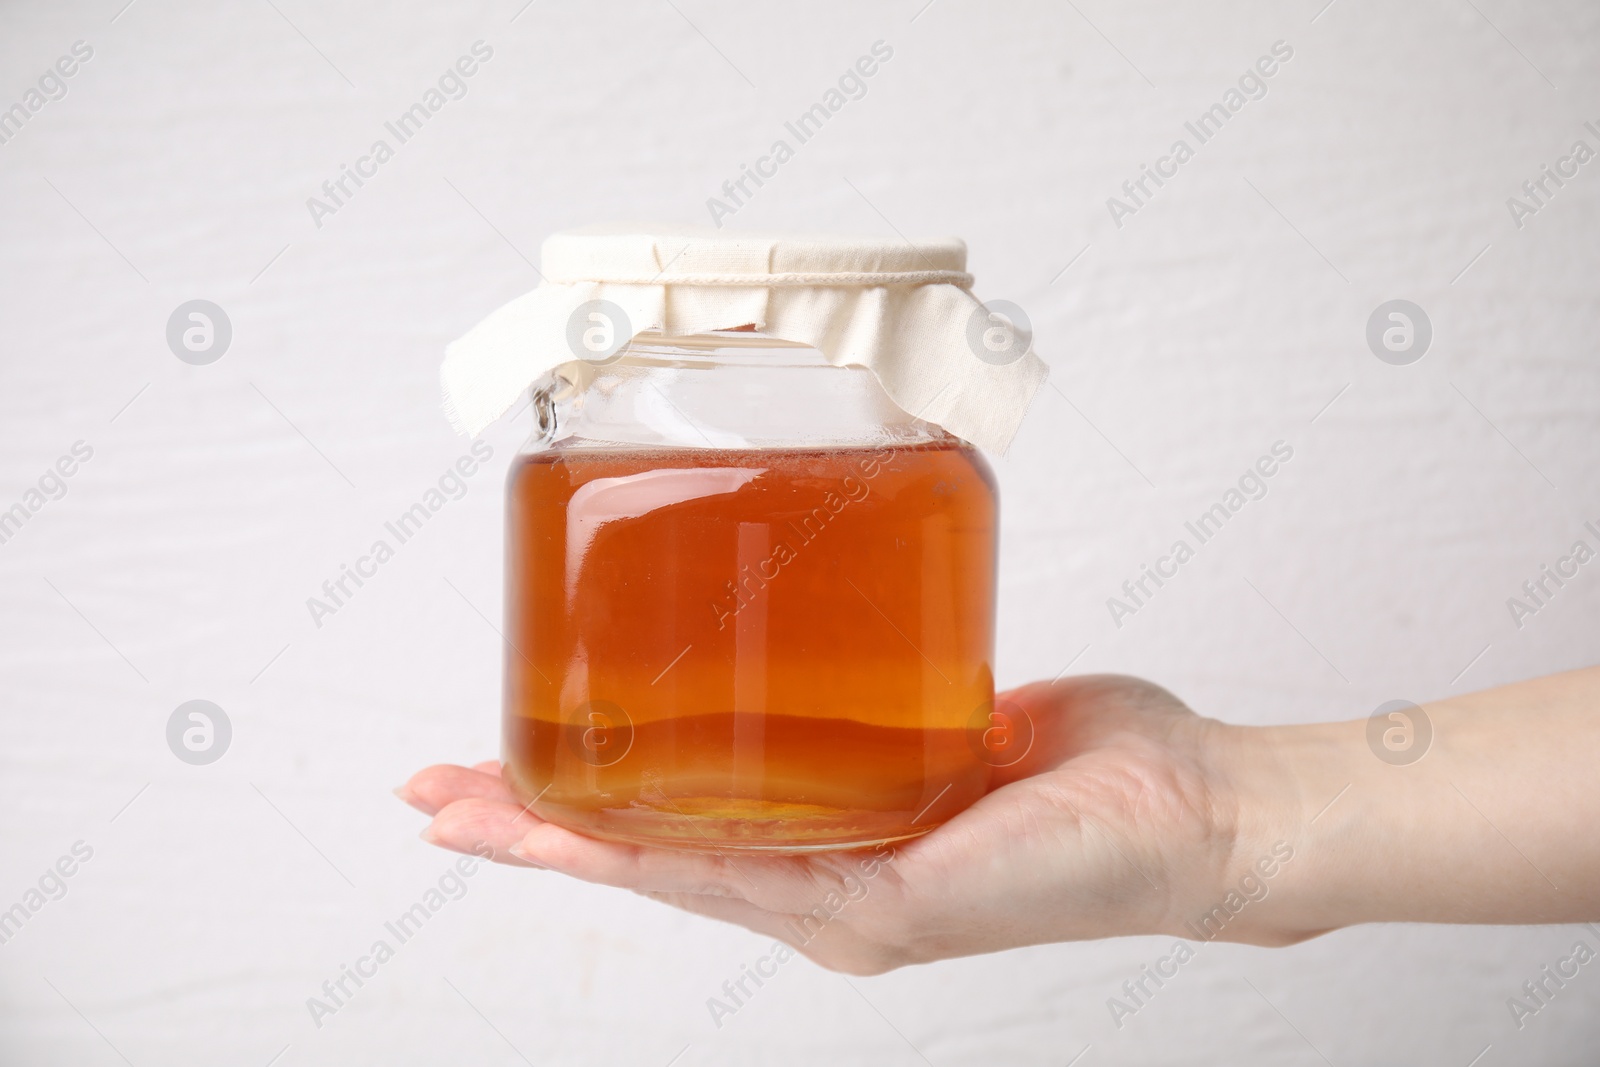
(1219, 319)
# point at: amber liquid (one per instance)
(763, 649)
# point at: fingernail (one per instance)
(516, 850)
(411, 799)
(429, 836)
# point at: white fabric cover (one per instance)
(901, 310)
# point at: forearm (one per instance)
(1498, 822)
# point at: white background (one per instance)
(1226, 315)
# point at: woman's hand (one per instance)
(1118, 821)
(1133, 815)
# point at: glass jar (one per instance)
(750, 603)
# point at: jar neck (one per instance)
(724, 390)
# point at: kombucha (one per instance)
(777, 649)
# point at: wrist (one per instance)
(1326, 826)
(1272, 887)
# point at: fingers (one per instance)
(468, 825)
(783, 884)
(474, 813)
(473, 807)
(772, 883)
(629, 866)
(431, 789)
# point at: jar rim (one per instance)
(719, 348)
(732, 338)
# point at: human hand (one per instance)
(1121, 819)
